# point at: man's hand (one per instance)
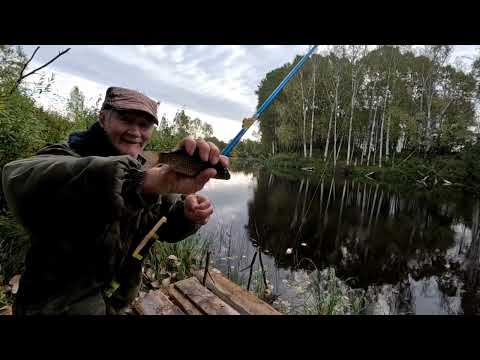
(198, 209)
(165, 180)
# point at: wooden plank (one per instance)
(156, 303)
(183, 303)
(240, 299)
(203, 298)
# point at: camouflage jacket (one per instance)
(83, 207)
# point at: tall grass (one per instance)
(235, 263)
(234, 272)
(189, 253)
(3, 298)
(14, 243)
(328, 295)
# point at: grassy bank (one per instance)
(460, 171)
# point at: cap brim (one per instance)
(139, 108)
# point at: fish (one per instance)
(188, 165)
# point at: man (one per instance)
(88, 203)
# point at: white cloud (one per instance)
(216, 83)
(63, 84)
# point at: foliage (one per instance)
(328, 295)
(13, 246)
(3, 298)
(415, 100)
(189, 252)
(20, 131)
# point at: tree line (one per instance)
(365, 106)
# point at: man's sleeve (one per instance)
(46, 189)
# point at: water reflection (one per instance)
(420, 250)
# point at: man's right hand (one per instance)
(165, 180)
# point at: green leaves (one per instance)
(20, 132)
(423, 94)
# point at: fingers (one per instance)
(191, 202)
(189, 144)
(203, 214)
(201, 198)
(214, 153)
(198, 209)
(194, 202)
(193, 185)
(203, 206)
(182, 184)
(208, 151)
(204, 176)
(225, 161)
(203, 149)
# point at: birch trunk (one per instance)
(313, 110)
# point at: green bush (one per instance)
(20, 130)
(14, 243)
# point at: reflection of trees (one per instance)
(473, 254)
(366, 232)
(471, 300)
(247, 167)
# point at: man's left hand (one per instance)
(198, 209)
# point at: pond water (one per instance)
(410, 251)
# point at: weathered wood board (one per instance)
(156, 303)
(204, 300)
(240, 299)
(183, 303)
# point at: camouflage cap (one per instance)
(126, 99)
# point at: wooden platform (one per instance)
(190, 297)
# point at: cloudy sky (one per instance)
(216, 83)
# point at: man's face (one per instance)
(129, 131)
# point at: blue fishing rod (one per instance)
(247, 124)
